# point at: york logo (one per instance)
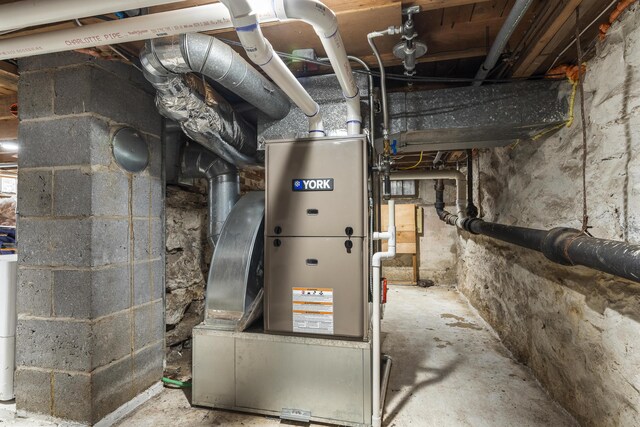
(320, 184)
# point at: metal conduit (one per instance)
(510, 24)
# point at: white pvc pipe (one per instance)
(190, 20)
(28, 13)
(261, 53)
(8, 267)
(376, 263)
(461, 184)
(324, 22)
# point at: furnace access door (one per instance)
(316, 187)
(316, 266)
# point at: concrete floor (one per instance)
(449, 370)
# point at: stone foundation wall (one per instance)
(577, 329)
(188, 256)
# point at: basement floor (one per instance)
(449, 370)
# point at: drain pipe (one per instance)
(223, 185)
(565, 246)
(29, 13)
(472, 210)
(259, 50)
(324, 22)
(518, 11)
(461, 186)
(376, 263)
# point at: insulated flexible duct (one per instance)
(209, 56)
(209, 119)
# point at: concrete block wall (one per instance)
(91, 240)
(578, 330)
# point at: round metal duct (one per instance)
(130, 150)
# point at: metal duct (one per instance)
(209, 120)
(223, 182)
(206, 55)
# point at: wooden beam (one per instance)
(342, 5)
(390, 60)
(8, 76)
(9, 129)
(439, 4)
(527, 66)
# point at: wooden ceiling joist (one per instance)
(8, 78)
(528, 65)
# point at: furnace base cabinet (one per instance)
(295, 378)
(315, 286)
(316, 265)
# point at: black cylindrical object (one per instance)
(472, 210)
(526, 237)
(565, 246)
(617, 258)
(568, 246)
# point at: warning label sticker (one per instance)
(313, 310)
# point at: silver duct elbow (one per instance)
(214, 59)
(223, 185)
(209, 120)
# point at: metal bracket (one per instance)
(408, 11)
(298, 415)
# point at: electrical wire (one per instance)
(414, 166)
(584, 30)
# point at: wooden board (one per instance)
(8, 78)
(8, 128)
(406, 236)
(405, 217)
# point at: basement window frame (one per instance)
(406, 194)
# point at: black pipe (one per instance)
(472, 210)
(564, 246)
(526, 237)
(439, 186)
(568, 246)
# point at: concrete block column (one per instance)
(91, 240)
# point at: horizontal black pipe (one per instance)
(526, 237)
(567, 246)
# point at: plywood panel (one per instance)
(405, 217)
(406, 235)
